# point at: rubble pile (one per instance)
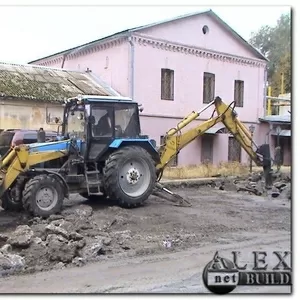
(255, 184)
(70, 239)
(81, 234)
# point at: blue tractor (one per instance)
(109, 155)
(100, 152)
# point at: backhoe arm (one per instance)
(174, 140)
(238, 130)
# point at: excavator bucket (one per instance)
(177, 200)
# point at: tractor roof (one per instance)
(113, 99)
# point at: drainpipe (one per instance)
(63, 61)
(267, 138)
(131, 67)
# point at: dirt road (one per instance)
(138, 261)
(166, 273)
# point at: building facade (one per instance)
(175, 67)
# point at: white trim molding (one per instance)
(166, 45)
(160, 44)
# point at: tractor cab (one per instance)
(95, 122)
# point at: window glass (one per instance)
(101, 122)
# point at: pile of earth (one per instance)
(255, 184)
(70, 239)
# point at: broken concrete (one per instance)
(22, 236)
(9, 262)
(85, 233)
(62, 250)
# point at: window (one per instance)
(208, 87)
(30, 138)
(239, 93)
(126, 121)
(234, 150)
(101, 121)
(167, 84)
(6, 138)
(205, 29)
(207, 142)
(174, 161)
(75, 126)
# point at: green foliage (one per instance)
(275, 44)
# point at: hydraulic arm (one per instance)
(174, 140)
(21, 158)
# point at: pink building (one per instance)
(175, 67)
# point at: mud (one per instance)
(92, 231)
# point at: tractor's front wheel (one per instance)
(43, 195)
(129, 176)
(12, 198)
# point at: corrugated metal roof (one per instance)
(128, 31)
(48, 84)
(277, 118)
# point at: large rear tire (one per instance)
(43, 195)
(129, 176)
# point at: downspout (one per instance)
(63, 61)
(266, 102)
(131, 67)
(64, 58)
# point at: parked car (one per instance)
(13, 137)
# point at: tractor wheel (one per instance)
(12, 198)
(129, 176)
(43, 195)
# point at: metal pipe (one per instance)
(206, 107)
(282, 83)
(187, 120)
(251, 160)
(131, 67)
(269, 100)
(278, 98)
(64, 59)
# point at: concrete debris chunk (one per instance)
(93, 250)
(59, 249)
(51, 228)
(22, 236)
(10, 262)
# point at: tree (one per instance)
(275, 44)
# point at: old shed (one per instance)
(27, 90)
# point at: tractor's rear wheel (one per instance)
(129, 176)
(43, 195)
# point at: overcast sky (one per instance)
(28, 33)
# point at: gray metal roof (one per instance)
(126, 32)
(276, 119)
(48, 84)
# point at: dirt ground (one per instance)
(169, 244)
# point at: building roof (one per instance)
(126, 32)
(276, 119)
(48, 84)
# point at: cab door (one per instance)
(100, 131)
